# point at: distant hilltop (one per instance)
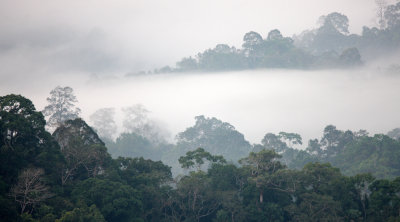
(328, 46)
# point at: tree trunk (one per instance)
(261, 197)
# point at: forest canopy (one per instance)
(70, 176)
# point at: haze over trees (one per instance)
(140, 136)
(221, 138)
(96, 171)
(330, 45)
(70, 176)
(103, 121)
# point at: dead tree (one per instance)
(30, 189)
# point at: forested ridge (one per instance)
(70, 175)
(328, 46)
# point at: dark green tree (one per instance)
(82, 213)
(24, 140)
(197, 158)
(116, 201)
(84, 152)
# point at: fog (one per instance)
(103, 36)
(255, 102)
(91, 45)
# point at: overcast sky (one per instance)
(119, 36)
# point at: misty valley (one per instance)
(209, 173)
(304, 128)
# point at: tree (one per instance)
(350, 57)
(283, 144)
(262, 165)
(315, 207)
(136, 121)
(82, 213)
(395, 133)
(151, 178)
(222, 57)
(197, 157)
(82, 148)
(215, 137)
(380, 12)
(30, 189)
(61, 106)
(384, 201)
(187, 64)
(24, 140)
(251, 41)
(18, 118)
(335, 22)
(133, 145)
(115, 200)
(392, 15)
(314, 148)
(376, 155)
(272, 141)
(194, 198)
(76, 128)
(331, 137)
(362, 183)
(274, 35)
(332, 35)
(291, 138)
(104, 123)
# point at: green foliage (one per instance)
(116, 201)
(82, 213)
(8, 211)
(84, 153)
(262, 188)
(194, 199)
(139, 171)
(378, 155)
(394, 134)
(197, 157)
(315, 207)
(284, 143)
(134, 145)
(221, 58)
(23, 139)
(215, 137)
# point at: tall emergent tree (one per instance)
(61, 106)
